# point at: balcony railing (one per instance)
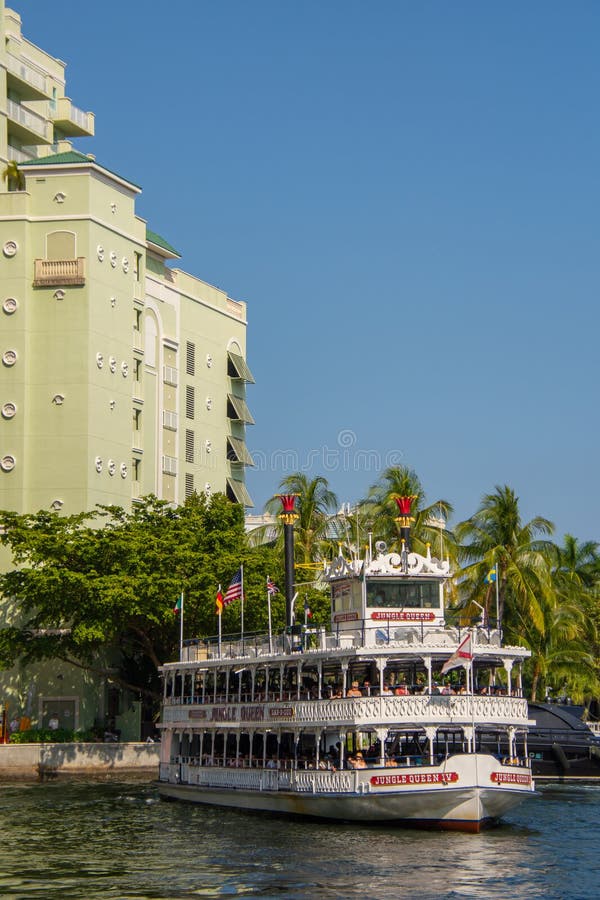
(19, 155)
(28, 120)
(27, 74)
(72, 120)
(48, 272)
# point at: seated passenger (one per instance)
(401, 690)
(390, 762)
(359, 762)
(354, 690)
(387, 692)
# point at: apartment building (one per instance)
(122, 375)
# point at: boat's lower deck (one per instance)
(466, 792)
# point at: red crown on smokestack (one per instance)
(288, 515)
(404, 504)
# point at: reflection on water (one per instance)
(89, 841)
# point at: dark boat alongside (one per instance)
(562, 747)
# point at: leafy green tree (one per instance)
(86, 594)
(496, 535)
(379, 512)
(13, 176)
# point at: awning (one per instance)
(238, 452)
(236, 491)
(238, 368)
(237, 409)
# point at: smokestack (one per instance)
(404, 519)
(288, 516)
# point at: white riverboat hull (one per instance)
(471, 792)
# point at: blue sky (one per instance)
(406, 195)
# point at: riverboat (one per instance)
(562, 746)
(389, 714)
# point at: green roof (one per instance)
(69, 158)
(159, 241)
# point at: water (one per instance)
(78, 841)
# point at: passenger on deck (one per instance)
(401, 690)
(354, 690)
(387, 691)
(359, 762)
(390, 762)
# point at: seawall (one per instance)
(34, 762)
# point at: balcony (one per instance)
(25, 80)
(28, 126)
(72, 121)
(22, 155)
(50, 272)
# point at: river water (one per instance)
(85, 841)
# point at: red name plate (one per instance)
(415, 778)
(404, 616)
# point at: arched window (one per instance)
(61, 245)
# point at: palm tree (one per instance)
(495, 536)
(380, 513)
(13, 176)
(316, 506)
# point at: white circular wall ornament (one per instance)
(112, 467)
(123, 470)
(60, 197)
(207, 488)
(99, 360)
(113, 258)
(113, 302)
(112, 364)
(7, 463)
(58, 399)
(10, 248)
(113, 208)
(10, 306)
(98, 463)
(208, 446)
(9, 357)
(209, 402)
(9, 410)
(209, 360)
(125, 369)
(100, 252)
(112, 403)
(59, 294)
(125, 264)
(57, 504)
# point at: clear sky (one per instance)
(406, 195)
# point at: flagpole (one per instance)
(181, 630)
(269, 613)
(497, 597)
(219, 618)
(242, 598)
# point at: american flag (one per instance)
(234, 591)
(272, 587)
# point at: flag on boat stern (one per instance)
(177, 607)
(272, 587)
(219, 602)
(234, 591)
(462, 654)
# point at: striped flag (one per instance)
(177, 607)
(307, 610)
(234, 591)
(462, 654)
(219, 602)
(271, 586)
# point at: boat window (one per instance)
(412, 594)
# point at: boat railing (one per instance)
(308, 640)
(428, 708)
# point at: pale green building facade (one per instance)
(122, 375)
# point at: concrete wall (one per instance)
(30, 761)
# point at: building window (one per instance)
(190, 359)
(169, 465)
(136, 467)
(137, 369)
(189, 402)
(189, 484)
(137, 419)
(189, 446)
(170, 420)
(137, 257)
(170, 375)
